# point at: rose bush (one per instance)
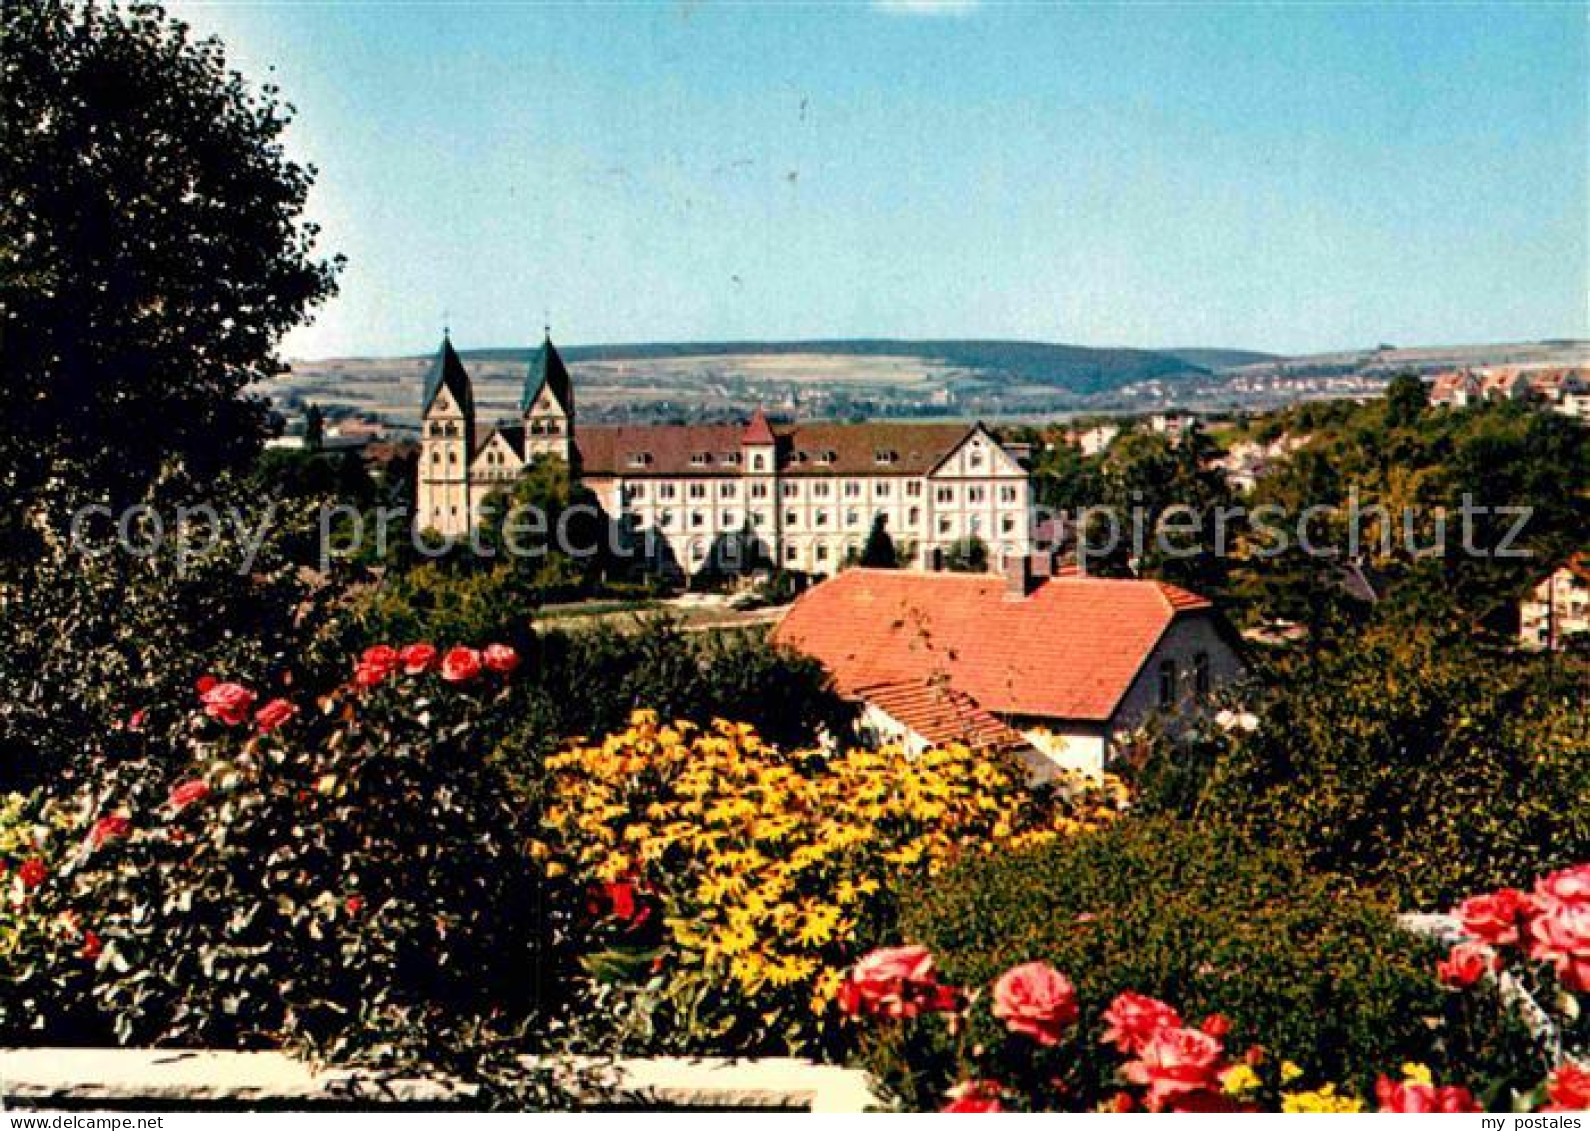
(1251, 948)
(1540, 942)
(1137, 1056)
(345, 873)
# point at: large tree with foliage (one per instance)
(153, 251)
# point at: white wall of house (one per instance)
(1188, 637)
(1066, 747)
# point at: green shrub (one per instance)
(1206, 920)
(1411, 762)
(354, 881)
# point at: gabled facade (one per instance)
(1063, 664)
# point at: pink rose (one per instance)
(112, 827)
(228, 702)
(273, 715)
(377, 662)
(1411, 1097)
(1134, 1020)
(500, 658)
(1176, 1063)
(1036, 1000)
(1495, 918)
(460, 665)
(1467, 964)
(893, 982)
(1560, 935)
(417, 659)
(976, 1097)
(188, 793)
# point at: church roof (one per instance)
(447, 371)
(547, 369)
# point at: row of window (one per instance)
(820, 520)
(851, 489)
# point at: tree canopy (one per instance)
(153, 251)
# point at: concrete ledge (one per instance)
(152, 1078)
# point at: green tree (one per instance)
(1406, 398)
(314, 428)
(154, 252)
(969, 555)
(879, 552)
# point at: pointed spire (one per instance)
(547, 369)
(447, 372)
(758, 431)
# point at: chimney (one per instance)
(1024, 574)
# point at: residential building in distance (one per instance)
(1565, 390)
(1558, 608)
(1055, 667)
(731, 497)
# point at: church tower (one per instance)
(548, 406)
(447, 442)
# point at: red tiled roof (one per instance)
(758, 432)
(1069, 650)
(941, 714)
(803, 449)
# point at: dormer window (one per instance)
(827, 457)
(731, 459)
(885, 456)
(700, 459)
(639, 459)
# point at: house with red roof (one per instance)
(1057, 667)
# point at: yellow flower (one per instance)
(1416, 1073)
(1239, 1080)
(1321, 1101)
(1289, 1072)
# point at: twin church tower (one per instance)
(458, 466)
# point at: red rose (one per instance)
(1559, 932)
(1569, 1088)
(273, 715)
(1120, 1103)
(417, 659)
(1495, 918)
(229, 702)
(1413, 1097)
(91, 946)
(203, 684)
(892, 982)
(500, 658)
(32, 873)
(460, 665)
(354, 904)
(1467, 964)
(188, 793)
(1176, 1063)
(108, 828)
(974, 1097)
(135, 721)
(1036, 1000)
(1217, 1025)
(1134, 1020)
(375, 664)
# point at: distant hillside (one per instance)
(1076, 369)
(1218, 359)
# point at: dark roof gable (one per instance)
(447, 371)
(547, 369)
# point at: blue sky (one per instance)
(1291, 178)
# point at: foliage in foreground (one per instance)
(1404, 759)
(345, 875)
(1205, 918)
(737, 878)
